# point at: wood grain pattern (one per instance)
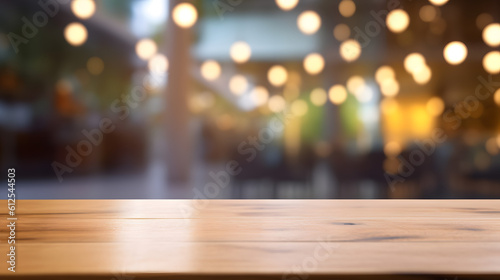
(255, 239)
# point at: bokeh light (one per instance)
(158, 64)
(314, 63)
(259, 95)
(318, 96)
(95, 65)
(287, 5)
(483, 20)
(347, 8)
(496, 97)
(455, 52)
(210, 70)
(83, 9)
(238, 84)
(428, 13)
(184, 15)
(299, 107)
(491, 35)
(240, 52)
(146, 48)
(423, 76)
(355, 84)
(438, 2)
(392, 148)
(435, 106)
(341, 32)
(491, 62)
(75, 34)
(308, 22)
(276, 103)
(414, 62)
(389, 87)
(277, 75)
(350, 50)
(337, 94)
(397, 20)
(383, 73)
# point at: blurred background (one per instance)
(250, 98)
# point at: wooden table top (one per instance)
(254, 239)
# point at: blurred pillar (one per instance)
(177, 116)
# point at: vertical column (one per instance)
(177, 116)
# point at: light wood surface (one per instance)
(255, 239)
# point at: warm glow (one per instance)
(314, 63)
(392, 149)
(225, 122)
(414, 62)
(428, 13)
(240, 52)
(355, 84)
(455, 52)
(438, 2)
(341, 32)
(491, 146)
(75, 34)
(184, 15)
(259, 95)
(277, 75)
(491, 35)
(337, 94)
(238, 84)
(347, 8)
(384, 73)
(423, 76)
(287, 5)
(309, 22)
(435, 106)
(95, 65)
(389, 106)
(158, 64)
(491, 62)
(276, 103)
(318, 96)
(145, 48)
(299, 107)
(83, 9)
(210, 70)
(496, 97)
(397, 21)
(350, 50)
(389, 87)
